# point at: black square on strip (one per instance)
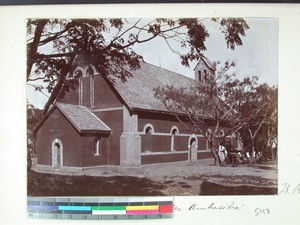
(76, 204)
(166, 203)
(91, 204)
(33, 203)
(61, 203)
(107, 204)
(136, 203)
(47, 203)
(150, 203)
(121, 203)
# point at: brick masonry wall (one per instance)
(78, 150)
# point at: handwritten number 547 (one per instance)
(261, 212)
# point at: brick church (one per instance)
(122, 124)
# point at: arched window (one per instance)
(97, 149)
(199, 74)
(90, 75)
(78, 74)
(148, 128)
(147, 139)
(80, 92)
(174, 132)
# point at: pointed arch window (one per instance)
(90, 74)
(80, 94)
(78, 75)
(199, 75)
(205, 76)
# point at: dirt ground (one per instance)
(201, 178)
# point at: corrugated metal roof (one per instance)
(82, 118)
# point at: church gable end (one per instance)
(91, 90)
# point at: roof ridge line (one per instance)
(77, 128)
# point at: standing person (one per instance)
(222, 153)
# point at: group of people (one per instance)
(236, 156)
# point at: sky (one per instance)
(258, 56)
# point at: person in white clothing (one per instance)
(222, 154)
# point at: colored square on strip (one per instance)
(108, 208)
(166, 208)
(109, 212)
(144, 212)
(142, 207)
(75, 208)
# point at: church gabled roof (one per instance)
(138, 90)
(82, 118)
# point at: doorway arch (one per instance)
(57, 154)
(193, 146)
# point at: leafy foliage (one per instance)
(53, 46)
(202, 106)
(243, 106)
(34, 115)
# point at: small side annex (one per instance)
(121, 123)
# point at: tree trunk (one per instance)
(59, 86)
(251, 160)
(213, 149)
(32, 48)
(216, 157)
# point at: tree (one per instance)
(260, 130)
(34, 115)
(54, 44)
(255, 111)
(204, 107)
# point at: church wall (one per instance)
(88, 154)
(78, 150)
(71, 97)
(167, 158)
(105, 97)
(56, 126)
(202, 66)
(156, 147)
(113, 119)
(204, 155)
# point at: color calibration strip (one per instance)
(102, 208)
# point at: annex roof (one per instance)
(138, 90)
(82, 118)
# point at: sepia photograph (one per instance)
(152, 106)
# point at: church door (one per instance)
(193, 150)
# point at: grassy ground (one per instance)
(158, 180)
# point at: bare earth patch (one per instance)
(179, 179)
